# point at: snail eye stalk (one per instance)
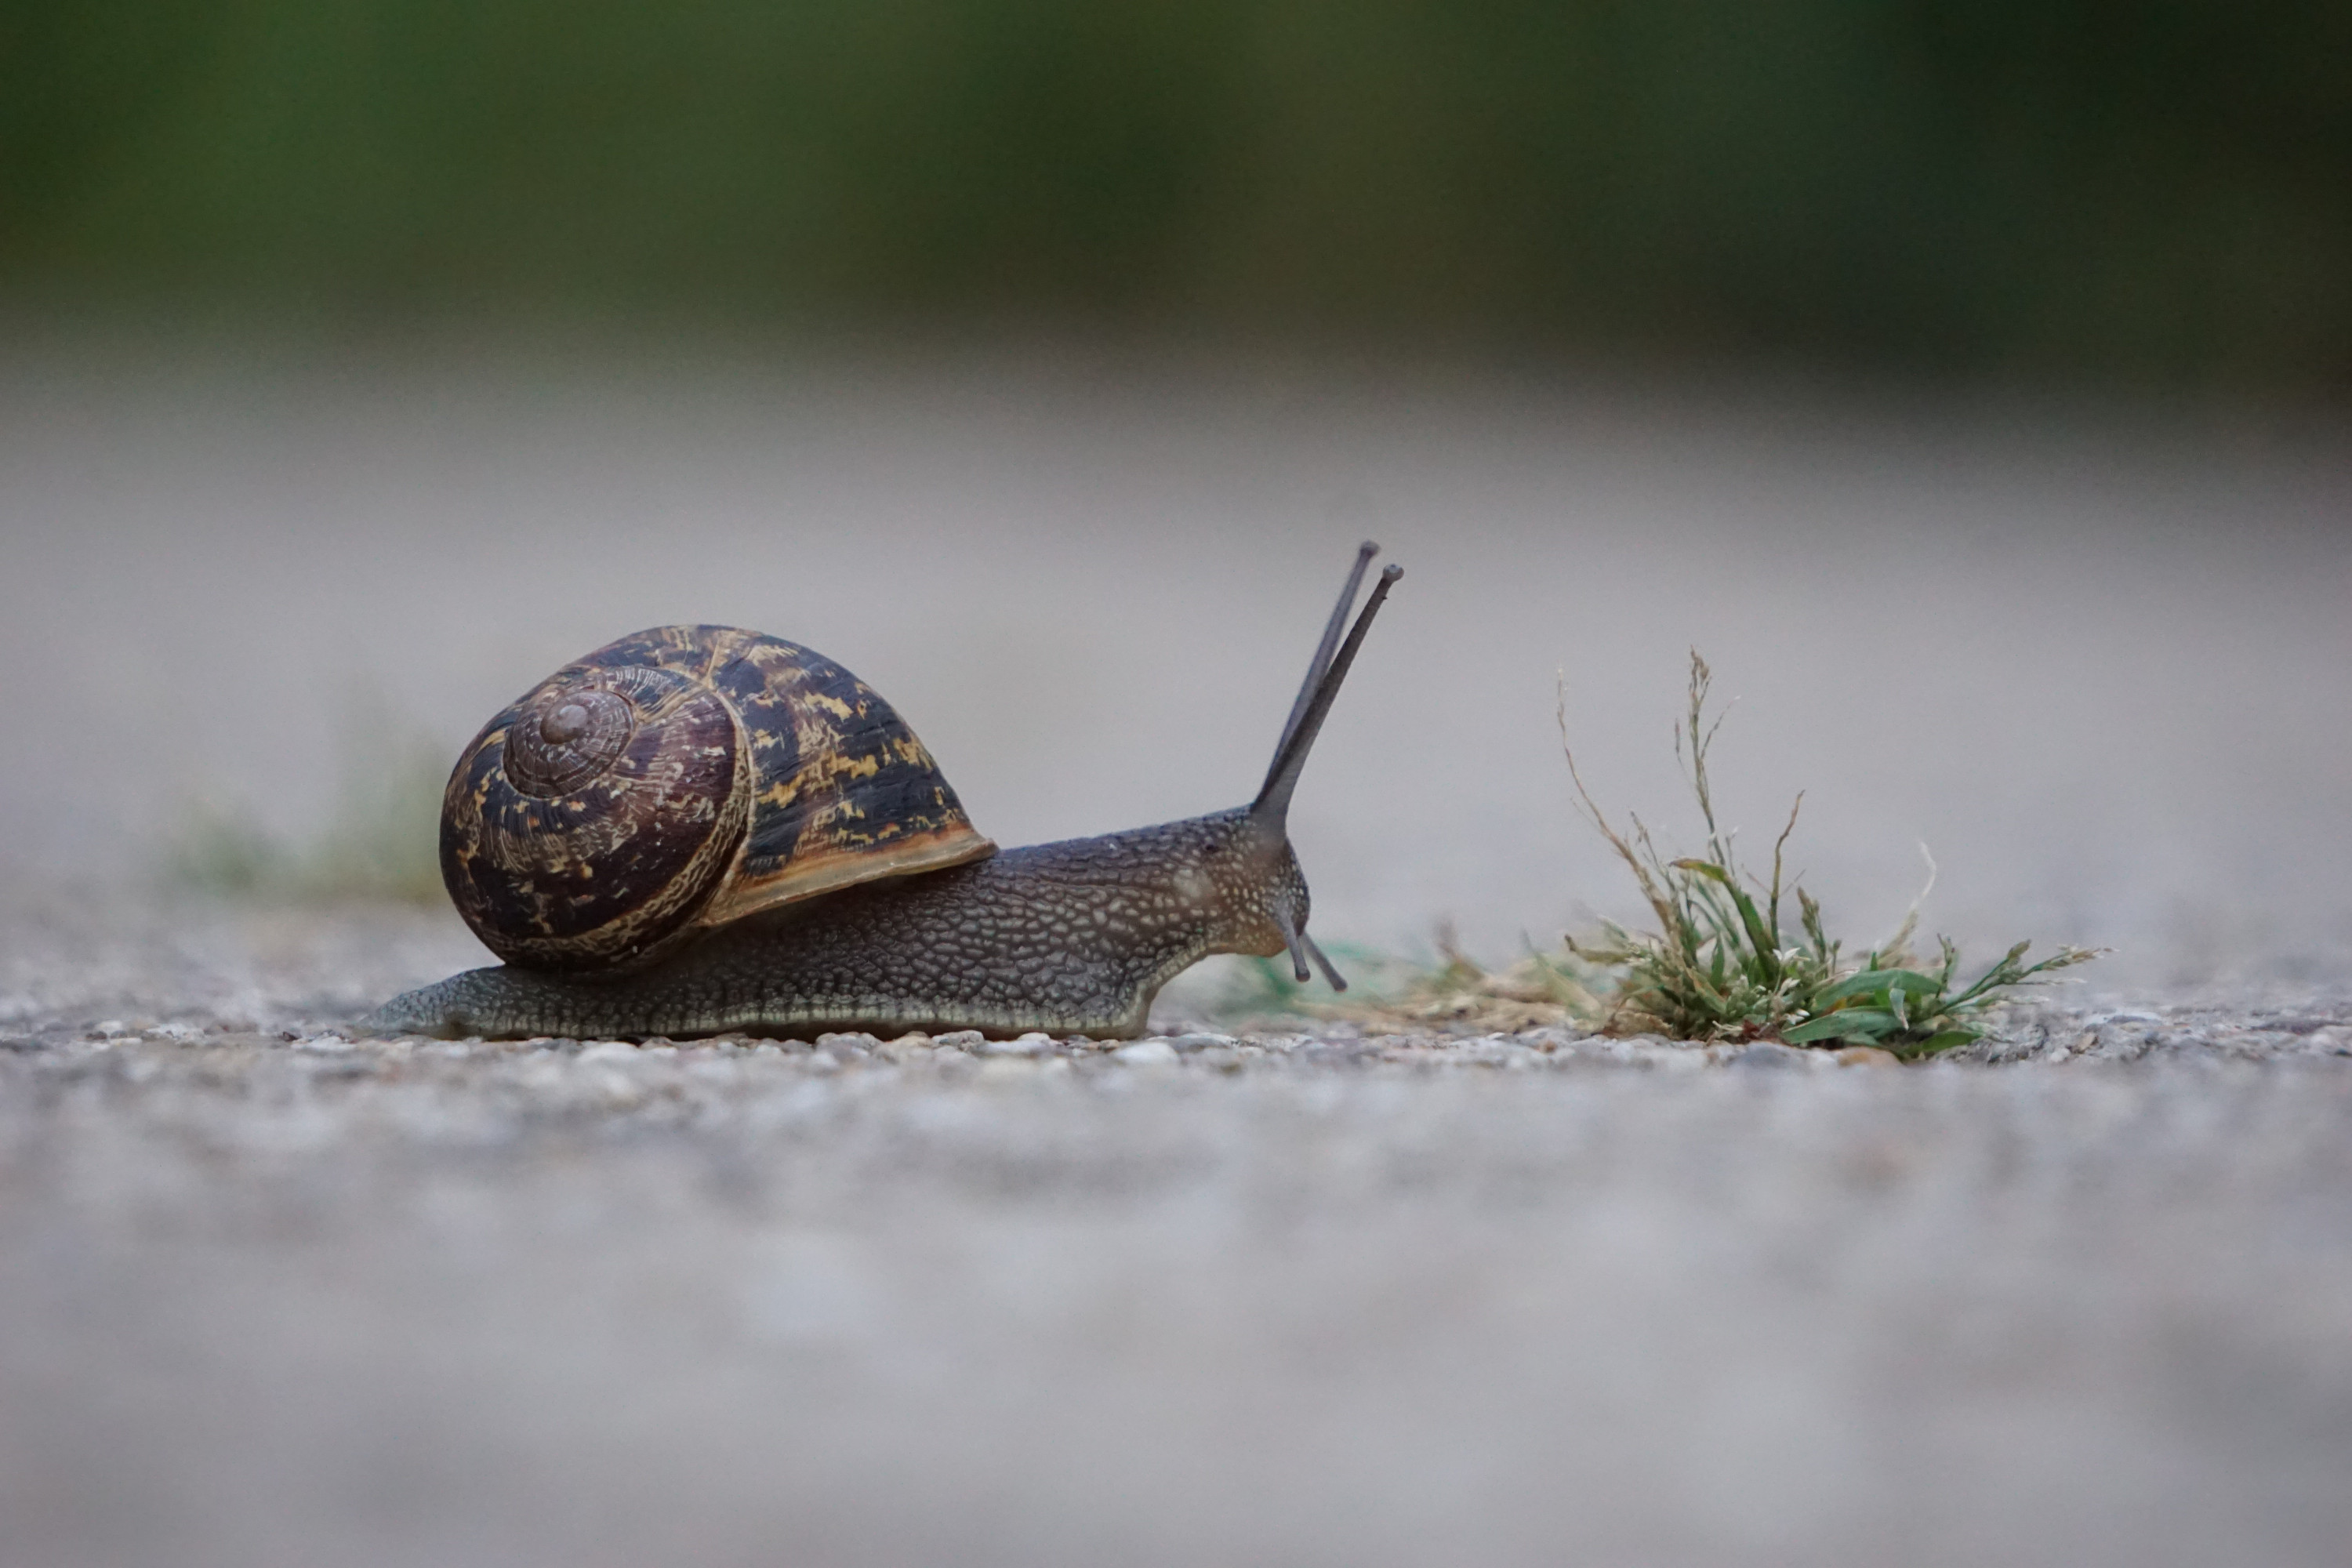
(1338, 981)
(1271, 807)
(1302, 947)
(1332, 630)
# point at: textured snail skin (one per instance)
(1074, 937)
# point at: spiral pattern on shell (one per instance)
(677, 779)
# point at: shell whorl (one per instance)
(680, 778)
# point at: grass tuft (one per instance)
(1723, 965)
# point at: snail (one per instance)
(701, 830)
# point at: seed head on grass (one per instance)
(1721, 966)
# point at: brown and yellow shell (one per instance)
(677, 779)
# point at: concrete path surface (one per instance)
(275, 1295)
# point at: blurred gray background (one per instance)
(1966, 382)
(2092, 659)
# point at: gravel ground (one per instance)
(272, 1294)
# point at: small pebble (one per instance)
(911, 1047)
(1029, 1045)
(998, 1068)
(1146, 1054)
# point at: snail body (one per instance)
(795, 863)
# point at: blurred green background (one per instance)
(2158, 193)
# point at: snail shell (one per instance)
(677, 779)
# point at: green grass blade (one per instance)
(1867, 1023)
(1942, 1040)
(1877, 983)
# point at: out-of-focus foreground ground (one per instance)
(275, 1296)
